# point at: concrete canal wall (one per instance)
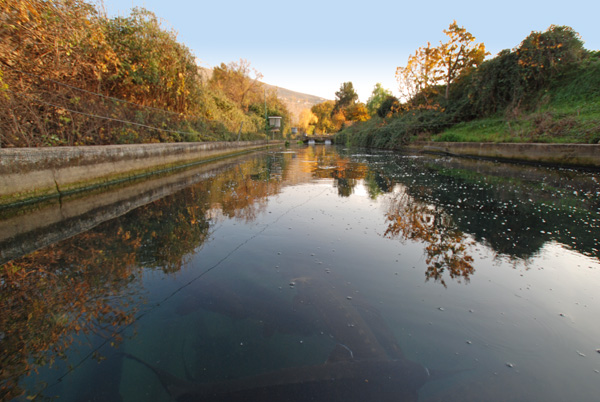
(577, 155)
(57, 220)
(36, 173)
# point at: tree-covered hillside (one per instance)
(70, 75)
(545, 90)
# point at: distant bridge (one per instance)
(318, 139)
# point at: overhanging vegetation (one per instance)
(70, 75)
(546, 90)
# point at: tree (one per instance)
(62, 63)
(357, 112)
(388, 107)
(235, 80)
(459, 54)
(346, 96)
(419, 75)
(494, 85)
(152, 67)
(377, 97)
(275, 107)
(338, 118)
(541, 56)
(307, 121)
(323, 111)
(442, 65)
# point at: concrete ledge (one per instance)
(36, 173)
(577, 155)
(53, 221)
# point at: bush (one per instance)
(388, 107)
(542, 56)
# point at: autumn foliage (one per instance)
(430, 67)
(449, 84)
(50, 297)
(332, 116)
(69, 75)
(90, 285)
(446, 247)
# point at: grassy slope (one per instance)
(567, 112)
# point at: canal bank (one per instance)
(261, 267)
(32, 174)
(574, 155)
(59, 219)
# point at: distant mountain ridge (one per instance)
(295, 102)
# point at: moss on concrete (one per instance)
(56, 189)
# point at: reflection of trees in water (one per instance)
(513, 209)
(330, 165)
(84, 285)
(49, 297)
(378, 184)
(445, 245)
(243, 191)
(517, 215)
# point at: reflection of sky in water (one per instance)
(522, 325)
(510, 325)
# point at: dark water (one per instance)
(319, 274)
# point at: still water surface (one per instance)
(322, 274)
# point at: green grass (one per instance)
(576, 122)
(566, 111)
(481, 130)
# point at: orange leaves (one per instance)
(24, 10)
(431, 66)
(421, 73)
(543, 55)
(68, 42)
(52, 294)
(446, 248)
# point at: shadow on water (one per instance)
(446, 247)
(123, 273)
(365, 360)
(514, 209)
(89, 285)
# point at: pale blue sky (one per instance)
(314, 46)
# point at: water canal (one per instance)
(323, 274)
